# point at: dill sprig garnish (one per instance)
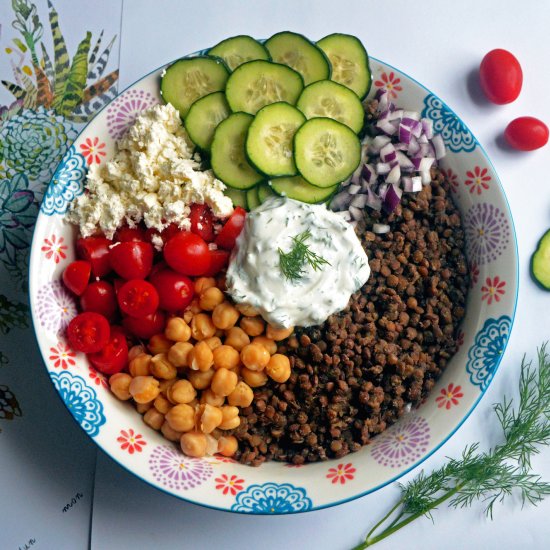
(292, 263)
(486, 476)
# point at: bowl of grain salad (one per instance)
(284, 285)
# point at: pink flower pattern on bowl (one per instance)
(176, 471)
(403, 443)
(62, 356)
(54, 249)
(341, 474)
(55, 307)
(123, 111)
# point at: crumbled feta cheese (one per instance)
(154, 177)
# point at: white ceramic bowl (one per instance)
(276, 488)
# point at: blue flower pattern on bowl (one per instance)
(81, 400)
(455, 134)
(486, 353)
(272, 498)
(67, 183)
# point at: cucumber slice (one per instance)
(299, 54)
(349, 60)
(228, 158)
(255, 84)
(326, 152)
(238, 50)
(540, 262)
(237, 196)
(299, 189)
(252, 198)
(265, 191)
(189, 79)
(332, 100)
(270, 136)
(204, 116)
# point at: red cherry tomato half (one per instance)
(232, 229)
(526, 133)
(118, 284)
(129, 234)
(146, 327)
(500, 76)
(175, 290)
(77, 275)
(99, 297)
(187, 253)
(202, 221)
(132, 260)
(96, 251)
(88, 332)
(114, 356)
(138, 298)
(218, 261)
(166, 234)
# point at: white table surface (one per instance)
(440, 43)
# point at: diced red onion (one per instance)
(416, 184)
(353, 189)
(404, 134)
(397, 114)
(380, 228)
(426, 177)
(394, 176)
(340, 201)
(359, 201)
(404, 162)
(382, 168)
(427, 127)
(368, 174)
(387, 127)
(439, 146)
(387, 153)
(373, 200)
(356, 213)
(392, 198)
(377, 143)
(414, 147)
(425, 164)
(415, 115)
(423, 139)
(383, 99)
(406, 182)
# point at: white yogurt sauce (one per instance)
(254, 276)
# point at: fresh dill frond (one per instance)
(292, 263)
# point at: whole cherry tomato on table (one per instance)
(138, 298)
(187, 254)
(231, 230)
(77, 275)
(526, 133)
(100, 297)
(132, 259)
(500, 76)
(96, 251)
(202, 221)
(174, 289)
(114, 356)
(88, 332)
(145, 327)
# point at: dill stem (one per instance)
(399, 503)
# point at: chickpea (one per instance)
(201, 379)
(224, 382)
(134, 351)
(227, 446)
(230, 418)
(226, 357)
(194, 307)
(142, 408)
(254, 379)
(208, 396)
(162, 368)
(247, 309)
(237, 338)
(211, 418)
(169, 433)
(144, 389)
(120, 385)
(178, 354)
(181, 418)
(159, 343)
(201, 357)
(278, 333)
(213, 342)
(253, 326)
(241, 396)
(210, 298)
(139, 365)
(193, 444)
(268, 343)
(177, 330)
(255, 356)
(202, 283)
(153, 418)
(165, 385)
(162, 404)
(202, 327)
(181, 392)
(278, 368)
(219, 333)
(225, 316)
(237, 370)
(188, 316)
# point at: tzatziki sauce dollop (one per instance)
(254, 276)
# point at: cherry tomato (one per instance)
(100, 297)
(175, 290)
(147, 326)
(77, 275)
(118, 284)
(218, 260)
(202, 221)
(232, 228)
(187, 253)
(166, 234)
(132, 260)
(88, 332)
(526, 133)
(501, 76)
(138, 298)
(129, 234)
(114, 356)
(96, 251)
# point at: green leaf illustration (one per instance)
(94, 53)
(44, 92)
(76, 79)
(9, 407)
(16, 90)
(12, 315)
(100, 87)
(47, 63)
(61, 56)
(97, 71)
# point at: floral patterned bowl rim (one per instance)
(275, 488)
